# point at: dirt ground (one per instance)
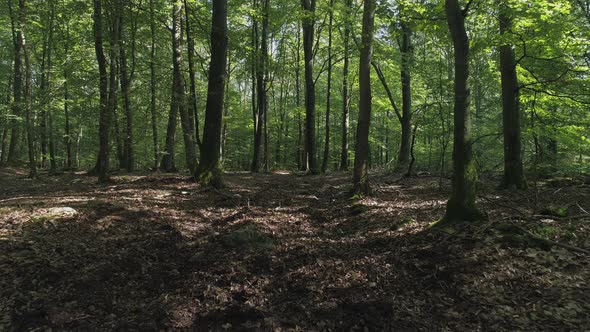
(287, 252)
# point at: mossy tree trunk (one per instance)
(461, 206)
(209, 171)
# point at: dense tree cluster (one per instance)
(482, 85)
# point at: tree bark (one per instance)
(178, 93)
(193, 112)
(21, 39)
(253, 72)
(309, 7)
(301, 159)
(261, 87)
(168, 161)
(461, 205)
(125, 80)
(346, 88)
(361, 159)
(13, 150)
(513, 170)
(104, 111)
(209, 171)
(406, 79)
(156, 148)
(326, 159)
(6, 126)
(114, 80)
(67, 129)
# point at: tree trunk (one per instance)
(156, 147)
(361, 158)
(125, 79)
(5, 127)
(406, 79)
(225, 111)
(67, 129)
(193, 112)
(104, 111)
(253, 72)
(46, 118)
(21, 40)
(461, 205)
(266, 142)
(346, 89)
(301, 160)
(114, 81)
(168, 161)
(513, 170)
(13, 153)
(178, 93)
(326, 159)
(261, 87)
(209, 171)
(309, 7)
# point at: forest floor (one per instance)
(285, 251)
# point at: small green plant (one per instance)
(248, 236)
(555, 211)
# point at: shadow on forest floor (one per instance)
(157, 252)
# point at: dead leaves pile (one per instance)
(285, 252)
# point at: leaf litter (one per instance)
(287, 252)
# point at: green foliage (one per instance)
(248, 237)
(550, 40)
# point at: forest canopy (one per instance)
(157, 56)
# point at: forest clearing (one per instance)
(287, 252)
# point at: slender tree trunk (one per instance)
(114, 80)
(406, 79)
(346, 89)
(47, 135)
(13, 151)
(225, 111)
(266, 140)
(309, 7)
(125, 79)
(68, 133)
(105, 112)
(254, 71)
(28, 89)
(192, 100)
(5, 127)
(209, 171)
(67, 129)
(154, 115)
(262, 89)
(361, 158)
(178, 93)
(116, 130)
(168, 161)
(461, 205)
(326, 159)
(43, 103)
(513, 170)
(301, 159)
